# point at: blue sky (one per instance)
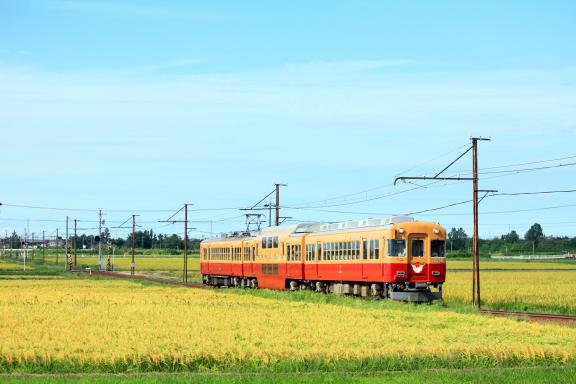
(142, 105)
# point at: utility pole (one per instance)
(132, 264)
(278, 185)
(269, 205)
(475, 202)
(67, 252)
(57, 246)
(100, 261)
(185, 275)
(475, 254)
(43, 247)
(74, 244)
(169, 220)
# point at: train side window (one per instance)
(339, 250)
(269, 242)
(275, 241)
(319, 255)
(371, 249)
(376, 249)
(288, 252)
(365, 249)
(358, 249)
(349, 251)
(263, 242)
(417, 248)
(312, 252)
(397, 248)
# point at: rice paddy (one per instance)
(100, 325)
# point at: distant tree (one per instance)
(534, 234)
(105, 236)
(511, 237)
(457, 238)
(15, 241)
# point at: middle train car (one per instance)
(398, 258)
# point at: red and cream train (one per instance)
(396, 258)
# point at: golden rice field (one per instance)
(74, 325)
(8, 265)
(531, 291)
(515, 264)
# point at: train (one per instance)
(396, 258)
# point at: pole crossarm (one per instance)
(403, 178)
(486, 193)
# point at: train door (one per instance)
(415, 256)
(318, 258)
(364, 258)
(252, 259)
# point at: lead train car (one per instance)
(396, 258)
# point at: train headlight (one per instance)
(436, 230)
(400, 230)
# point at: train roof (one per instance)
(304, 228)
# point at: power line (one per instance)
(521, 164)
(84, 209)
(533, 193)
(510, 211)
(439, 208)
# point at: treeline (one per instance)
(458, 243)
(146, 239)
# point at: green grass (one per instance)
(517, 375)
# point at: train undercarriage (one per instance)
(416, 292)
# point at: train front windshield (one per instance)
(437, 248)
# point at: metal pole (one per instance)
(270, 214)
(74, 244)
(43, 247)
(132, 265)
(185, 274)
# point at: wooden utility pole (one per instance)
(57, 246)
(74, 244)
(43, 246)
(101, 266)
(475, 240)
(67, 252)
(185, 271)
(278, 201)
(185, 221)
(132, 263)
(475, 202)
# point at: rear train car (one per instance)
(396, 258)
